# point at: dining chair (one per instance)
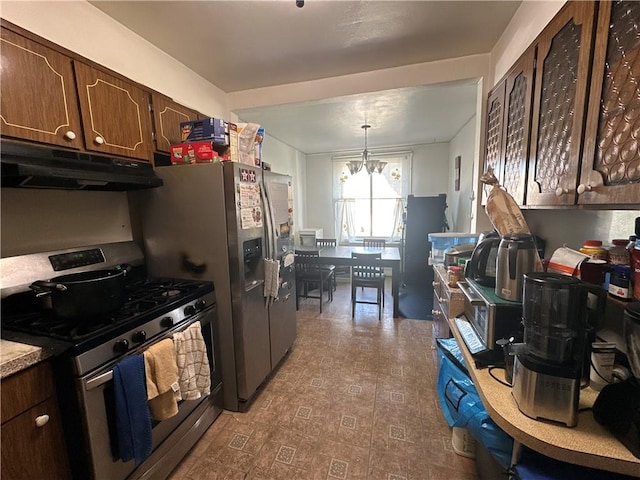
(344, 270)
(374, 242)
(367, 276)
(312, 275)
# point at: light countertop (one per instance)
(588, 444)
(18, 356)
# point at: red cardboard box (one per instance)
(193, 152)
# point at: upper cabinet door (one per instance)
(494, 145)
(38, 93)
(562, 70)
(115, 114)
(517, 122)
(611, 159)
(167, 116)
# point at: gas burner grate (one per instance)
(145, 298)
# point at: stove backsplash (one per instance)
(43, 220)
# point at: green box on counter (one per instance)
(213, 129)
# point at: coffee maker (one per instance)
(558, 312)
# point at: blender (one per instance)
(557, 317)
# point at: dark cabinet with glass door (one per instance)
(562, 72)
(611, 158)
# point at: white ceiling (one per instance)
(239, 45)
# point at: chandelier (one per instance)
(370, 165)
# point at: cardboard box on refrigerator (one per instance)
(214, 129)
(194, 152)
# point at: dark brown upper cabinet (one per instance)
(167, 116)
(611, 157)
(115, 114)
(38, 98)
(560, 94)
(494, 146)
(517, 125)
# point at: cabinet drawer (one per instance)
(25, 389)
(31, 451)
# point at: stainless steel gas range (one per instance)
(85, 351)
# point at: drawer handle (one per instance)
(42, 420)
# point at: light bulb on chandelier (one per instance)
(370, 165)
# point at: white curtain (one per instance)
(345, 224)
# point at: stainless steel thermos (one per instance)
(516, 256)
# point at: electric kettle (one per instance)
(516, 256)
(481, 267)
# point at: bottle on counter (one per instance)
(594, 249)
(635, 270)
(618, 253)
(454, 275)
(620, 283)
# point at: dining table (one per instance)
(341, 255)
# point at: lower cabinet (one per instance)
(448, 302)
(32, 441)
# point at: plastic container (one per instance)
(620, 284)
(594, 249)
(463, 442)
(441, 241)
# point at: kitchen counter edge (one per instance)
(15, 357)
(588, 444)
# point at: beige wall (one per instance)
(527, 23)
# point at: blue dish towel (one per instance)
(133, 421)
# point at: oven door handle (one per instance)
(99, 380)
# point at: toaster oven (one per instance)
(491, 317)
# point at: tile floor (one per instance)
(354, 399)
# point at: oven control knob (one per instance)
(121, 346)
(200, 304)
(166, 322)
(189, 310)
(139, 336)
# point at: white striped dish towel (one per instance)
(194, 375)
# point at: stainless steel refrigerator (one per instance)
(220, 221)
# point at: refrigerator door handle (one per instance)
(267, 219)
(270, 221)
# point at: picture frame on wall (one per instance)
(457, 162)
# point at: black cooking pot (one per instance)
(85, 294)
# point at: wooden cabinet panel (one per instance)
(30, 448)
(517, 125)
(38, 93)
(115, 114)
(611, 158)
(562, 70)
(494, 145)
(30, 451)
(167, 116)
(26, 388)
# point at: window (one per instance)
(370, 205)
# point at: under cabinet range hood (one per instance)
(32, 166)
